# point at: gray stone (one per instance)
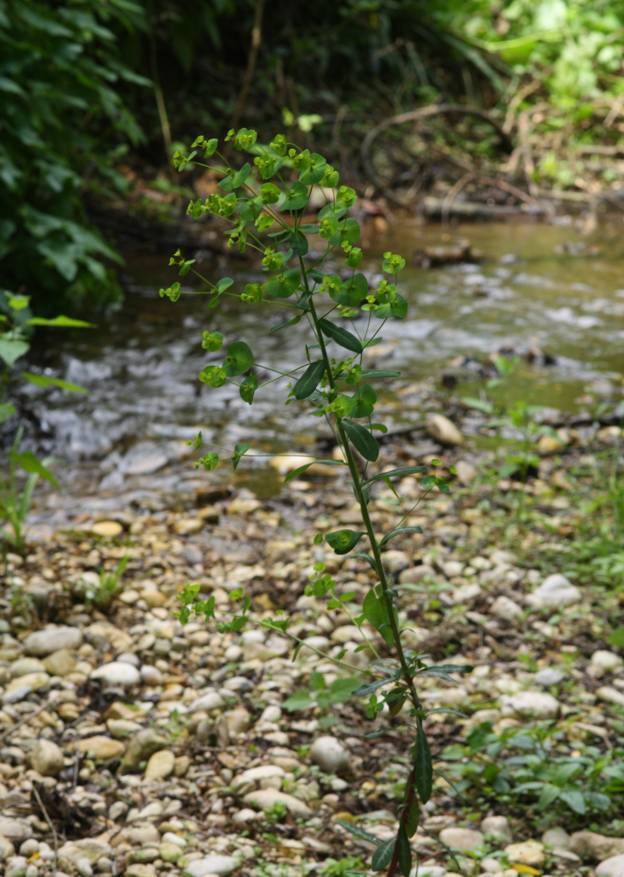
(465, 840)
(211, 865)
(16, 866)
(593, 846)
(528, 852)
(15, 830)
(555, 592)
(505, 608)
(557, 838)
(330, 755)
(140, 747)
(265, 799)
(46, 758)
(52, 639)
(443, 430)
(603, 662)
(6, 849)
(497, 826)
(611, 867)
(549, 676)
(531, 704)
(117, 673)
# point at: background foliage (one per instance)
(86, 84)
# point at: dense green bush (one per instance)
(62, 117)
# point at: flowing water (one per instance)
(536, 286)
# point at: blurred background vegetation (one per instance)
(96, 93)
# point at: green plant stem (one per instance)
(374, 544)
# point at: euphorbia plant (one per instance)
(263, 205)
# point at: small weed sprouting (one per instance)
(311, 270)
(108, 586)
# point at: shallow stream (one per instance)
(542, 287)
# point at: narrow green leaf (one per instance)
(45, 381)
(361, 555)
(378, 374)
(358, 832)
(404, 852)
(295, 473)
(401, 472)
(61, 322)
(240, 450)
(33, 465)
(309, 380)
(412, 818)
(343, 541)
(341, 336)
(423, 764)
(362, 440)
(383, 855)
(398, 531)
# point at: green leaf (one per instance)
(238, 358)
(363, 440)
(46, 381)
(309, 380)
(479, 404)
(423, 764)
(616, 638)
(398, 531)
(295, 473)
(375, 611)
(282, 285)
(297, 198)
(299, 243)
(224, 284)
(343, 541)
(412, 818)
(350, 231)
(340, 336)
(404, 852)
(378, 374)
(361, 555)
(401, 472)
(240, 450)
(548, 794)
(33, 465)
(60, 322)
(575, 800)
(11, 349)
(358, 832)
(363, 401)
(6, 410)
(299, 700)
(383, 855)
(248, 388)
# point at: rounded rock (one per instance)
(612, 867)
(47, 758)
(211, 865)
(465, 840)
(330, 755)
(52, 639)
(117, 673)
